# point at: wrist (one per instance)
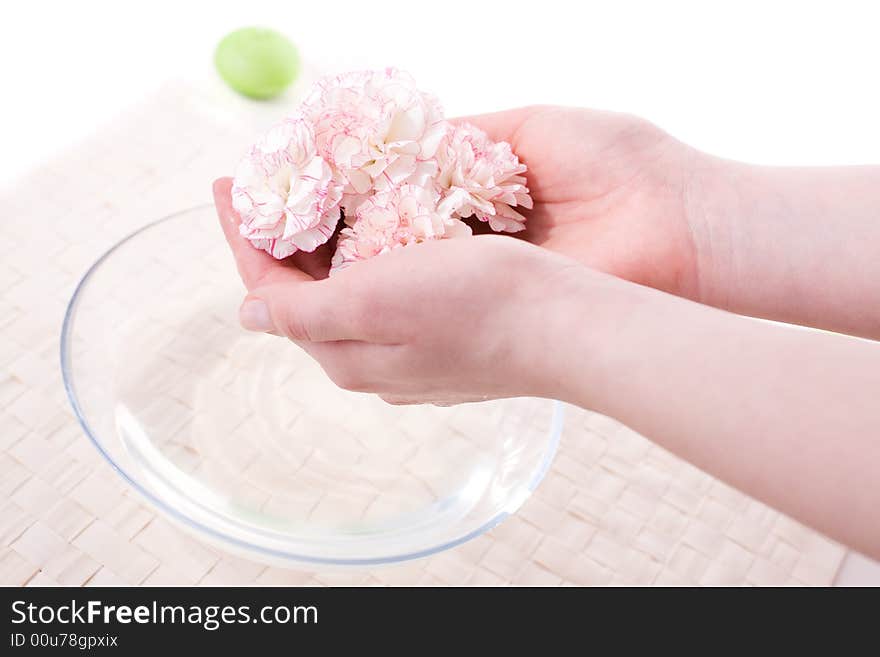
(579, 327)
(705, 197)
(728, 208)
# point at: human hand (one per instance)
(441, 322)
(795, 244)
(608, 191)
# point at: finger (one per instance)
(441, 399)
(398, 401)
(501, 126)
(256, 267)
(312, 311)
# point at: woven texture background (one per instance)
(614, 508)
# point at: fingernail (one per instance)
(254, 316)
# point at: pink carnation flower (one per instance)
(286, 195)
(480, 177)
(392, 219)
(377, 129)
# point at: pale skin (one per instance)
(627, 296)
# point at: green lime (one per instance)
(257, 62)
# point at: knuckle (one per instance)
(295, 329)
(292, 322)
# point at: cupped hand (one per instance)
(442, 322)
(610, 190)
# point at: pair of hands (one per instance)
(788, 416)
(463, 320)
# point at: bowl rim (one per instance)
(233, 542)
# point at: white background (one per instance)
(769, 82)
(772, 82)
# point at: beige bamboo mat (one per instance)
(614, 509)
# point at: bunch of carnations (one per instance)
(371, 149)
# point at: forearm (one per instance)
(787, 415)
(799, 245)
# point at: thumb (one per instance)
(503, 125)
(310, 311)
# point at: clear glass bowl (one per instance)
(243, 439)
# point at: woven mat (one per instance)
(614, 508)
